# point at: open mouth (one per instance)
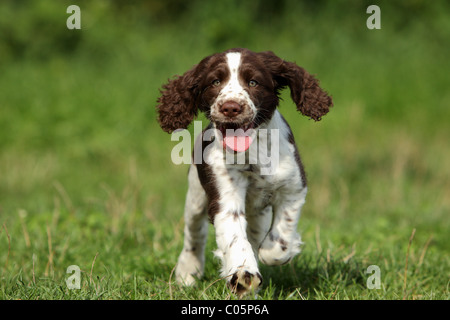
(236, 136)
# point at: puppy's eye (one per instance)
(216, 83)
(252, 83)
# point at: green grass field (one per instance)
(86, 177)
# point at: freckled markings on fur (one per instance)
(233, 241)
(240, 288)
(237, 214)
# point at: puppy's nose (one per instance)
(231, 109)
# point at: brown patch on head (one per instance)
(182, 96)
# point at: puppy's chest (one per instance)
(264, 184)
(263, 190)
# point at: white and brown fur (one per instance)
(255, 216)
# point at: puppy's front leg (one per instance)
(239, 264)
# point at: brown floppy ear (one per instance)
(310, 99)
(177, 103)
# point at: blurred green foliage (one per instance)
(36, 29)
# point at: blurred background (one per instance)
(79, 136)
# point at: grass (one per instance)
(136, 263)
(86, 177)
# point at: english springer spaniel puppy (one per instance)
(254, 209)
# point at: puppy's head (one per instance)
(238, 89)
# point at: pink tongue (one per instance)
(237, 143)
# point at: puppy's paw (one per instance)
(275, 251)
(243, 282)
(189, 268)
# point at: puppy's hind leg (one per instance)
(192, 258)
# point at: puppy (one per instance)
(253, 202)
